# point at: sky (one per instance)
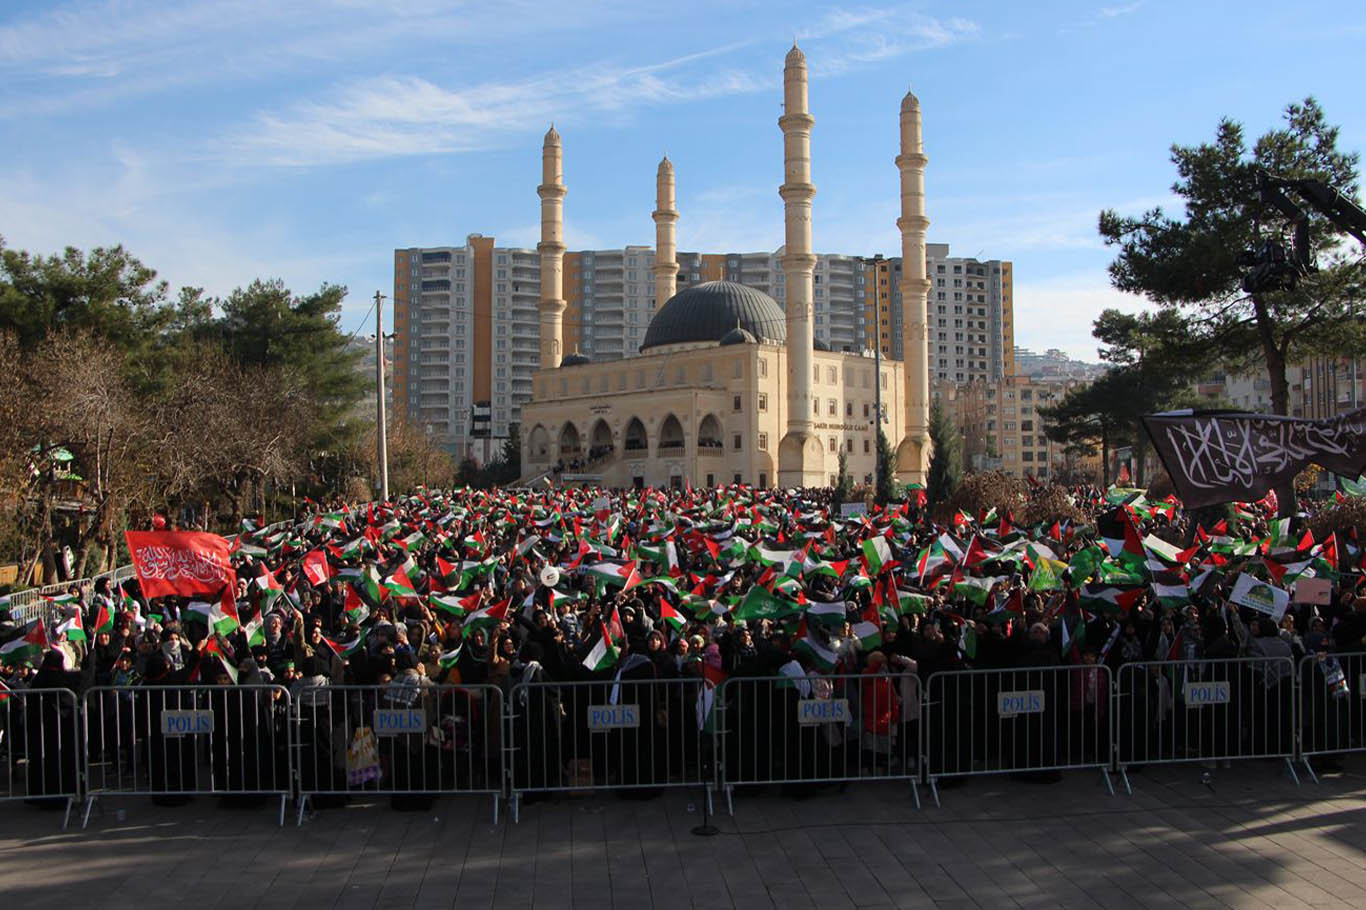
(226, 140)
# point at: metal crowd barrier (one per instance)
(179, 741)
(1205, 710)
(1332, 706)
(40, 746)
(398, 740)
(1034, 719)
(632, 734)
(31, 596)
(810, 730)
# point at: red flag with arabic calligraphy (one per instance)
(180, 563)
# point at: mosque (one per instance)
(729, 386)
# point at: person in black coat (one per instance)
(50, 720)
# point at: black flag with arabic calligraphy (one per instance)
(1230, 456)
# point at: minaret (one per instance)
(666, 261)
(551, 249)
(799, 464)
(913, 453)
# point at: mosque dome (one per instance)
(712, 310)
(575, 360)
(736, 335)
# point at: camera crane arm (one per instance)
(1270, 265)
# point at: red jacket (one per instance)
(880, 708)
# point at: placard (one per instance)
(398, 721)
(1028, 701)
(1256, 594)
(188, 722)
(1198, 694)
(613, 717)
(1314, 591)
(823, 711)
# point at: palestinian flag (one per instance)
(973, 589)
(967, 640)
(664, 554)
(216, 615)
(815, 651)
(834, 569)
(905, 602)
(487, 617)
(524, 545)
(72, 629)
(1108, 600)
(1073, 636)
(877, 553)
(1116, 529)
(449, 659)
(398, 584)
(829, 615)
(255, 630)
(706, 697)
(268, 582)
(606, 573)
(932, 559)
(759, 603)
(456, 606)
(412, 542)
(868, 629)
(346, 648)
(670, 617)
(470, 572)
(27, 648)
(354, 547)
(1175, 596)
(559, 598)
(213, 648)
(604, 653)
(104, 620)
(333, 521)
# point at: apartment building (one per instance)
(1001, 426)
(467, 326)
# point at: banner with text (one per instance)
(1228, 456)
(180, 563)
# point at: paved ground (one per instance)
(1251, 840)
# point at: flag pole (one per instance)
(706, 829)
(380, 424)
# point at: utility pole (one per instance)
(381, 427)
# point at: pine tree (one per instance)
(946, 460)
(844, 484)
(886, 469)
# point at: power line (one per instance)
(363, 320)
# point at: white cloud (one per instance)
(1058, 312)
(87, 53)
(1103, 14)
(1112, 12)
(401, 115)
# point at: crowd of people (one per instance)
(469, 591)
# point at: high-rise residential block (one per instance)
(467, 322)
